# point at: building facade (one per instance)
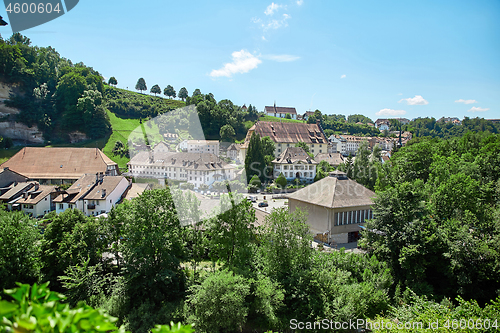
(200, 146)
(336, 207)
(280, 112)
(295, 163)
(195, 168)
(93, 194)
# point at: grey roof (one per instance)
(280, 109)
(189, 161)
(331, 158)
(80, 189)
(294, 155)
(34, 197)
(331, 192)
(17, 189)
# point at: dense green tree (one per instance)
(112, 81)
(69, 237)
(355, 118)
(169, 91)
(152, 247)
(94, 119)
(19, 249)
(141, 85)
(227, 133)
(183, 93)
(281, 180)
(155, 89)
(322, 170)
(231, 233)
(218, 304)
(255, 163)
(196, 92)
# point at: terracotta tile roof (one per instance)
(33, 197)
(58, 163)
(279, 109)
(333, 192)
(294, 155)
(286, 132)
(331, 158)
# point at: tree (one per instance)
(155, 89)
(152, 247)
(255, 163)
(218, 304)
(231, 233)
(70, 237)
(255, 181)
(183, 93)
(95, 120)
(268, 146)
(196, 92)
(169, 91)
(141, 85)
(19, 249)
(287, 116)
(227, 133)
(112, 81)
(281, 180)
(322, 170)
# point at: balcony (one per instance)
(90, 206)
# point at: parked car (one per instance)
(263, 204)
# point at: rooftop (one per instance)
(58, 163)
(335, 191)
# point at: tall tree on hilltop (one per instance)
(183, 93)
(196, 92)
(112, 81)
(169, 91)
(156, 89)
(141, 85)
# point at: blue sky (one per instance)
(378, 58)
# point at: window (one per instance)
(61, 206)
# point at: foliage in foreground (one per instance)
(37, 309)
(467, 316)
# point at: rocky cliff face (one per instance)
(19, 132)
(9, 127)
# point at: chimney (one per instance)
(103, 193)
(101, 176)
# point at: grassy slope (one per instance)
(284, 120)
(122, 129)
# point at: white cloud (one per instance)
(477, 109)
(466, 101)
(272, 8)
(343, 76)
(300, 2)
(417, 100)
(281, 57)
(390, 112)
(243, 62)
